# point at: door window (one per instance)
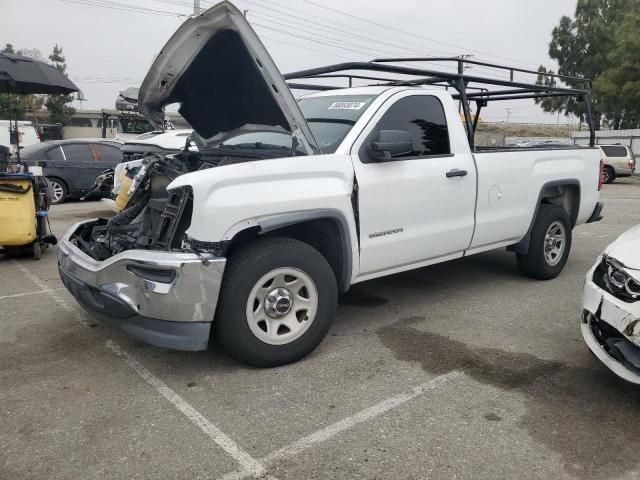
(77, 152)
(107, 153)
(423, 118)
(55, 154)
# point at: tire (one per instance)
(267, 342)
(59, 189)
(540, 262)
(608, 174)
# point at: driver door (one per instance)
(416, 206)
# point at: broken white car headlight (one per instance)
(612, 277)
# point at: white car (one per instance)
(611, 307)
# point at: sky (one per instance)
(110, 44)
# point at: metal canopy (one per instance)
(468, 87)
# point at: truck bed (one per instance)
(510, 182)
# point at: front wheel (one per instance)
(277, 303)
(550, 244)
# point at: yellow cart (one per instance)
(24, 208)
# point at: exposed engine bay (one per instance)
(156, 218)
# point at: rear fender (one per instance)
(570, 203)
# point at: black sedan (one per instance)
(72, 165)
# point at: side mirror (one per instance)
(391, 143)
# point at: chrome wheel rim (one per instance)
(58, 191)
(605, 175)
(555, 242)
(282, 306)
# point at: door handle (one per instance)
(456, 173)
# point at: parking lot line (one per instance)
(26, 294)
(250, 465)
(52, 292)
(334, 429)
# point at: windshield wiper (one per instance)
(258, 145)
(342, 121)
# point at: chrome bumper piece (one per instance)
(140, 286)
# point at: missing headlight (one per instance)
(612, 277)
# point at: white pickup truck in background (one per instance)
(287, 203)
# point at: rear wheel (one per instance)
(59, 190)
(608, 174)
(277, 303)
(550, 244)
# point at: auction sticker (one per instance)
(347, 105)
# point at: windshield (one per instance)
(135, 125)
(331, 117)
(267, 139)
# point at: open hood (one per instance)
(225, 81)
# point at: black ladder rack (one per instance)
(467, 87)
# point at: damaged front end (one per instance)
(611, 316)
(155, 218)
(135, 271)
(139, 270)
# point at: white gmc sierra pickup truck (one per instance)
(250, 237)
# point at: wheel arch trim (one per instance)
(522, 246)
(275, 222)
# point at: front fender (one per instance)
(231, 198)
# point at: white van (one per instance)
(26, 131)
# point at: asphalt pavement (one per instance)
(460, 370)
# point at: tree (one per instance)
(618, 87)
(566, 105)
(8, 48)
(582, 46)
(58, 105)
